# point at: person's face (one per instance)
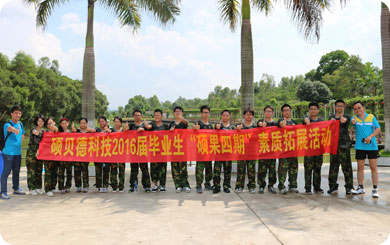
(40, 122)
(102, 123)
(137, 116)
(157, 116)
(225, 117)
(268, 113)
(286, 112)
(117, 123)
(50, 123)
(178, 113)
(358, 109)
(313, 111)
(16, 115)
(83, 124)
(340, 107)
(64, 124)
(248, 116)
(205, 114)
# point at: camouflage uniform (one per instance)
(114, 174)
(135, 166)
(81, 168)
(313, 166)
(179, 169)
(65, 166)
(247, 166)
(266, 165)
(207, 166)
(342, 158)
(158, 170)
(288, 165)
(227, 167)
(34, 166)
(51, 168)
(102, 170)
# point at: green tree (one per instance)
(314, 91)
(329, 63)
(127, 13)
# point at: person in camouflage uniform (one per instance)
(139, 126)
(203, 165)
(64, 166)
(34, 166)
(114, 175)
(158, 170)
(179, 169)
(343, 156)
(287, 165)
(247, 166)
(81, 168)
(227, 165)
(267, 164)
(102, 169)
(51, 167)
(313, 164)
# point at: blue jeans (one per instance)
(11, 162)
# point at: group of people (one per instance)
(59, 174)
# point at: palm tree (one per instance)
(128, 14)
(385, 38)
(306, 13)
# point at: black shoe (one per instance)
(319, 190)
(308, 192)
(216, 189)
(131, 190)
(226, 190)
(208, 187)
(348, 191)
(333, 190)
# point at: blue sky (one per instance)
(192, 56)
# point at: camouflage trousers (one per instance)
(264, 166)
(34, 171)
(158, 172)
(290, 166)
(342, 158)
(51, 168)
(102, 174)
(208, 167)
(62, 167)
(244, 167)
(227, 174)
(115, 175)
(145, 179)
(81, 168)
(180, 174)
(313, 166)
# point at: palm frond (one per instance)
(126, 11)
(44, 10)
(263, 5)
(230, 12)
(164, 11)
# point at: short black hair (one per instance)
(158, 110)
(119, 118)
(314, 104)
(83, 118)
(339, 101)
(36, 118)
(268, 106)
(358, 102)
(204, 107)
(178, 107)
(248, 110)
(16, 108)
(285, 105)
(102, 117)
(49, 118)
(136, 110)
(225, 111)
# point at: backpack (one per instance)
(3, 138)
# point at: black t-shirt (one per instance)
(99, 130)
(289, 122)
(344, 140)
(114, 130)
(204, 125)
(134, 126)
(252, 125)
(163, 126)
(181, 125)
(269, 124)
(319, 119)
(229, 127)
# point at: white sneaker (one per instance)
(33, 192)
(375, 193)
(101, 190)
(54, 191)
(358, 191)
(39, 191)
(49, 194)
(187, 189)
(179, 189)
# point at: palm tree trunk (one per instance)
(385, 38)
(246, 58)
(88, 91)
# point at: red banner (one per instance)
(192, 145)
